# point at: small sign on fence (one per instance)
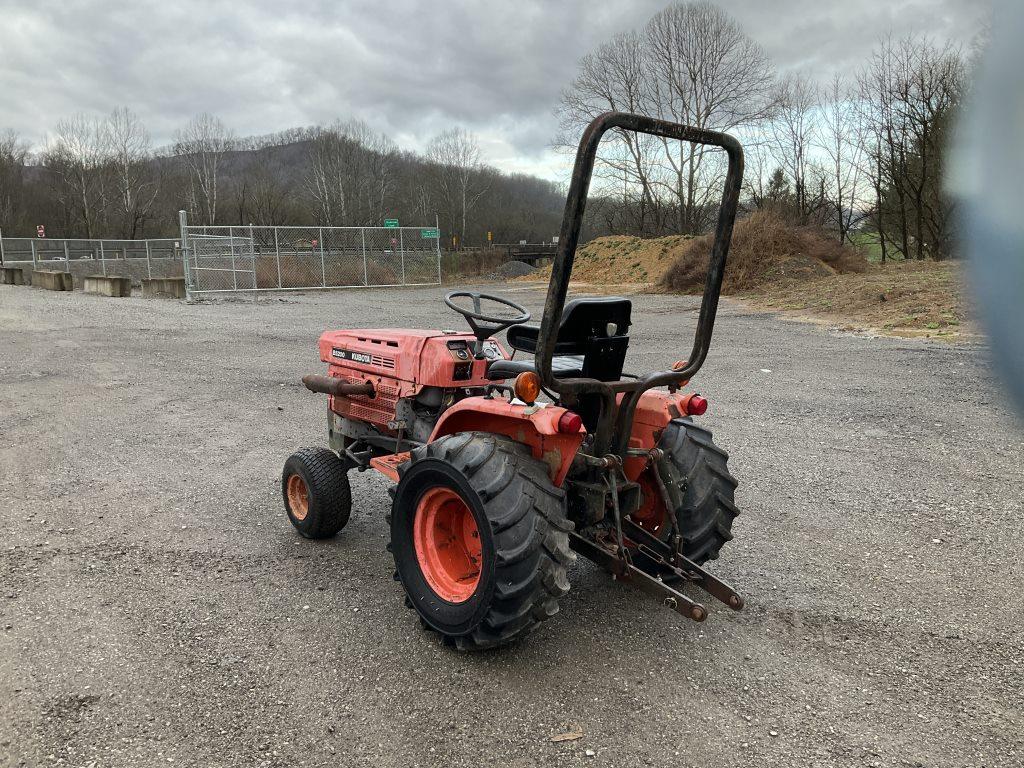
(391, 223)
(430, 234)
(40, 230)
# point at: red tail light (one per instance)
(696, 405)
(569, 423)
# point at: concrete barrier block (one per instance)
(164, 286)
(108, 285)
(52, 280)
(12, 276)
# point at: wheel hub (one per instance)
(298, 497)
(447, 544)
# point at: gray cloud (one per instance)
(411, 69)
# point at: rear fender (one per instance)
(653, 413)
(535, 427)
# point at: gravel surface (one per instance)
(157, 608)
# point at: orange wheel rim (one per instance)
(651, 516)
(447, 543)
(298, 497)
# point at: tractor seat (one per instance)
(566, 366)
(592, 341)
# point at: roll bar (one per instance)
(561, 271)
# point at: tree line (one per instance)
(101, 177)
(864, 152)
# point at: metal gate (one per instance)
(220, 264)
(250, 258)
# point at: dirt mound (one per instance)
(512, 269)
(620, 259)
(764, 250)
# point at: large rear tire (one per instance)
(480, 539)
(701, 487)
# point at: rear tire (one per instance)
(317, 496)
(702, 487)
(496, 489)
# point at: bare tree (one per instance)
(77, 158)
(909, 92)
(692, 63)
(614, 78)
(135, 175)
(841, 139)
(455, 156)
(202, 144)
(350, 173)
(795, 132)
(705, 71)
(13, 154)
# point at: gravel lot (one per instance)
(156, 607)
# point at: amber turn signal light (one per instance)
(527, 387)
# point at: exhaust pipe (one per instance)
(332, 385)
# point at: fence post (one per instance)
(401, 251)
(67, 255)
(323, 264)
(277, 253)
(183, 225)
(366, 274)
(1, 247)
(33, 253)
(437, 245)
(230, 245)
(149, 262)
(103, 259)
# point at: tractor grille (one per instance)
(383, 362)
(377, 410)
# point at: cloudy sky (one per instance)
(410, 69)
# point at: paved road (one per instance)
(156, 608)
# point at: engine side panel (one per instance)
(400, 363)
(422, 358)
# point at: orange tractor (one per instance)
(504, 468)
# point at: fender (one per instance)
(654, 411)
(532, 426)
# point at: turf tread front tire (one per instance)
(529, 528)
(330, 496)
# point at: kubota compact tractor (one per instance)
(495, 488)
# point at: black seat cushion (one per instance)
(565, 366)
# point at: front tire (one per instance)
(317, 496)
(479, 536)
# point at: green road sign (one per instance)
(429, 234)
(391, 223)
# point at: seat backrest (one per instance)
(586, 318)
(597, 328)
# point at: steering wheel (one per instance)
(485, 326)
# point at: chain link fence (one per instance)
(251, 258)
(136, 259)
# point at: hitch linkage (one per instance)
(666, 561)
